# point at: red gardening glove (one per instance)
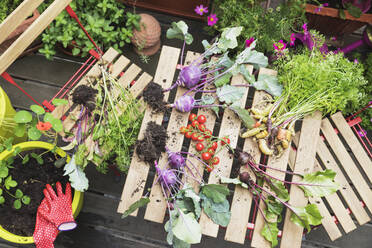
(59, 210)
(45, 231)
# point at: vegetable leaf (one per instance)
(17, 204)
(244, 115)
(270, 233)
(218, 212)
(246, 74)
(269, 84)
(20, 129)
(59, 102)
(216, 192)
(273, 206)
(229, 94)
(23, 116)
(179, 30)
(324, 181)
(76, 175)
(279, 189)
(235, 181)
(34, 133)
(37, 109)
(309, 216)
(228, 38)
(186, 228)
(249, 56)
(222, 80)
(140, 203)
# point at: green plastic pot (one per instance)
(77, 199)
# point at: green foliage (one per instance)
(324, 181)
(216, 192)
(140, 203)
(104, 20)
(324, 82)
(306, 216)
(7, 7)
(179, 30)
(230, 94)
(76, 175)
(266, 26)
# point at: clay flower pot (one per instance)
(147, 40)
(77, 199)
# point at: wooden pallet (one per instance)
(308, 143)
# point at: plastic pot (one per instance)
(77, 201)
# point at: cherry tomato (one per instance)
(210, 168)
(199, 147)
(188, 135)
(194, 136)
(215, 160)
(214, 145)
(211, 151)
(195, 123)
(207, 134)
(192, 117)
(202, 119)
(183, 130)
(189, 127)
(225, 140)
(206, 156)
(202, 127)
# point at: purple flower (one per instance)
(356, 61)
(362, 133)
(200, 10)
(280, 46)
(292, 39)
(248, 42)
(304, 27)
(212, 19)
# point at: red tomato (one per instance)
(195, 123)
(210, 168)
(189, 127)
(183, 130)
(194, 136)
(211, 151)
(206, 156)
(200, 138)
(207, 134)
(202, 119)
(199, 147)
(215, 160)
(225, 140)
(188, 135)
(202, 127)
(214, 145)
(192, 117)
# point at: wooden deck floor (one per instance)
(98, 224)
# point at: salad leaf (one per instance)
(216, 192)
(324, 181)
(140, 203)
(76, 175)
(230, 94)
(269, 84)
(235, 181)
(270, 233)
(309, 215)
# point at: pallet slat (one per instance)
(138, 171)
(292, 233)
(353, 142)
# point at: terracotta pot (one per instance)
(18, 31)
(147, 40)
(328, 22)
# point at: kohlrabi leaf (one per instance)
(269, 84)
(207, 100)
(190, 194)
(76, 175)
(230, 94)
(219, 213)
(270, 233)
(179, 30)
(249, 56)
(186, 228)
(246, 74)
(244, 116)
(309, 215)
(235, 181)
(321, 183)
(222, 80)
(140, 203)
(228, 38)
(279, 189)
(216, 192)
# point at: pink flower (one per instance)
(362, 133)
(356, 61)
(292, 39)
(212, 19)
(248, 42)
(304, 27)
(200, 10)
(280, 46)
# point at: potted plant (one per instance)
(341, 16)
(26, 168)
(6, 8)
(106, 22)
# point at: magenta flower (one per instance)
(212, 19)
(280, 46)
(362, 133)
(356, 61)
(248, 42)
(200, 10)
(304, 27)
(292, 39)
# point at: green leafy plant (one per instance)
(266, 25)
(7, 7)
(104, 20)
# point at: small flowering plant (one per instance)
(41, 123)
(211, 19)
